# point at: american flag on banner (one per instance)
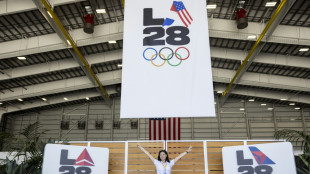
(179, 7)
(164, 129)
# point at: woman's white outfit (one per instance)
(163, 168)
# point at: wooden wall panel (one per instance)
(215, 159)
(259, 142)
(190, 163)
(78, 144)
(116, 156)
(138, 162)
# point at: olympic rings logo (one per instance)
(164, 58)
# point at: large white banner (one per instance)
(166, 60)
(273, 158)
(66, 159)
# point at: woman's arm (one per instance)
(146, 152)
(183, 154)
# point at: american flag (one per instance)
(164, 129)
(179, 7)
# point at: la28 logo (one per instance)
(78, 166)
(246, 165)
(177, 35)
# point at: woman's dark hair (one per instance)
(167, 158)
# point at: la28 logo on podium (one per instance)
(157, 35)
(247, 166)
(81, 165)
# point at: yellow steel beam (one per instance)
(274, 16)
(75, 48)
(123, 1)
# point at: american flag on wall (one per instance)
(164, 129)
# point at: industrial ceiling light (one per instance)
(251, 100)
(283, 99)
(263, 104)
(269, 109)
(44, 99)
(21, 58)
(88, 9)
(271, 4)
(87, 98)
(100, 11)
(292, 104)
(211, 6)
(49, 14)
(65, 98)
(251, 37)
(20, 99)
(1, 103)
(297, 108)
(303, 49)
(219, 92)
(242, 109)
(112, 42)
(68, 42)
(119, 65)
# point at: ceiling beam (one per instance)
(114, 77)
(18, 6)
(59, 65)
(265, 58)
(218, 28)
(74, 96)
(221, 53)
(46, 10)
(60, 86)
(267, 94)
(285, 34)
(51, 42)
(262, 80)
(79, 95)
(273, 23)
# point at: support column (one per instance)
(21, 125)
(37, 120)
(86, 122)
(145, 128)
(218, 113)
(61, 118)
(12, 125)
(192, 120)
(112, 112)
(138, 136)
(247, 120)
(274, 119)
(303, 121)
(2, 122)
(2, 126)
(37, 117)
